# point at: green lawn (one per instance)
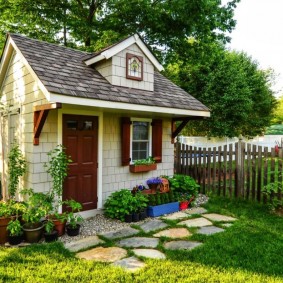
(249, 251)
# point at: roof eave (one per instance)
(127, 106)
(123, 45)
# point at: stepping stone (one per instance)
(153, 225)
(83, 243)
(137, 242)
(130, 263)
(103, 254)
(196, 210)
(196, 222)
(219, 217)
(150, 253)
(125, 232)
(176, 216)
(209, 230)
(174, 233)
(181, 245)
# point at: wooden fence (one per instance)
(239, 170)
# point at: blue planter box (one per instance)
(158, 210)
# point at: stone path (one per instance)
(147, 246)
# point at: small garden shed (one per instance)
(107, 108)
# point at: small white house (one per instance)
(107, 108)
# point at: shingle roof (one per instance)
(63, 71)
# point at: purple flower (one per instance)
(154, 180)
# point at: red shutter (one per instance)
(126, 139)
(157, 140)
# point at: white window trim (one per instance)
(150, 135)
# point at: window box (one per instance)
(157, 210)
(142, 168)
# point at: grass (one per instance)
(249, 251)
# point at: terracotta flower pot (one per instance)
(3, 229)
(60, 226)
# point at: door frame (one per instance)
(98, 114)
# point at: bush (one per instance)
(123, 202)
(184, 184)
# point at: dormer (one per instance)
(128, 63)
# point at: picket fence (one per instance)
(236, 170)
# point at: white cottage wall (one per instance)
(114, 70)
(21, 91)
(115, 176)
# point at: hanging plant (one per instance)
(17, 167)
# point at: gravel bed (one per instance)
(99, 224)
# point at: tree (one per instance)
(231, 84)
(165, 23)
(278, 115)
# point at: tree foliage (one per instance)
(94, 22)
(185, 34)
(231, 84)
(278, 114)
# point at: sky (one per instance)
(259, 33)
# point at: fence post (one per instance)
(239, 168)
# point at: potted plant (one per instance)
(57, 167)
(143, 165)
(184, 184)
(8, 211)
(160, 204)
(38, 206)
(141, 205)
(50, 234)
(15, 232)
(120, 205)
(154, 184)
(73, 226)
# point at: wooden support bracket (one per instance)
(39, 117)
(184, 122)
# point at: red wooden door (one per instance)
(80, 138)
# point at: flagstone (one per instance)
(136, 242)
(83, 243)
(196, 210)
(153, 225)
(181, 245)
(209, 230)
(176, 216)
(196, 222)
(173, 233)
(110, 254)
(130, 263)
(219, 217)
(125, 232)
(150, 253)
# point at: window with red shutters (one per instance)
(156, 140)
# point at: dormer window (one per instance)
(134, 67)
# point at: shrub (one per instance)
(184, 184)
(123, 202)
